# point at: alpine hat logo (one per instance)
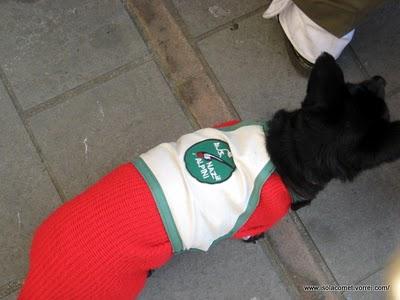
(210, 161)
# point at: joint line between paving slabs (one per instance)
(179, 62)
(173, 87)
(358, 62)
(18, 108)
(366, 276)
(103, 78)
(228, 24)
(207, 68)
(309, 240)
(193, 42)
(283, 272)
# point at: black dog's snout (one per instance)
(379, 79)
(376, 85)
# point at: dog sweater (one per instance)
(101, 244)
(207, 184)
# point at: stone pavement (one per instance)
(80, 93)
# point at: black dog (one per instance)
(340, 130)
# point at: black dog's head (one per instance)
(340, 130)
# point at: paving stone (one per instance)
(377, 43)
(90, 134)
(376, 279)
(11, 297)
(253, 67)
(49, 47)
(355, 225)
(393, 103)
(27, 194)
(231, 270)
(352, 71)
(202, 16)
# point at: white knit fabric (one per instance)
(307, 37)
(204, 212)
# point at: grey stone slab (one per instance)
(352, 70)
(49, 46)
(393, 103)
(202, 16)
(231, 270)
(375, 280)
(355, 225)
(90, 134)
(27, 194)
(11, 297)
(377, 43)
(253, 67)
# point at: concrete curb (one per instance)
(180, 64)
(289, 244)
(299, 260)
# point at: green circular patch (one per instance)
(210, 161)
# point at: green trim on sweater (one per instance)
(162, 204)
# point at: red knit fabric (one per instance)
(226, 124)
(99, 245)
(274, 203)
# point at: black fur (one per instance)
(340, 130)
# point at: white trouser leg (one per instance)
(307, 37)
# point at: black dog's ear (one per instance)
(326, 85)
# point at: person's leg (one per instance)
(338, 17)
(327, 26)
